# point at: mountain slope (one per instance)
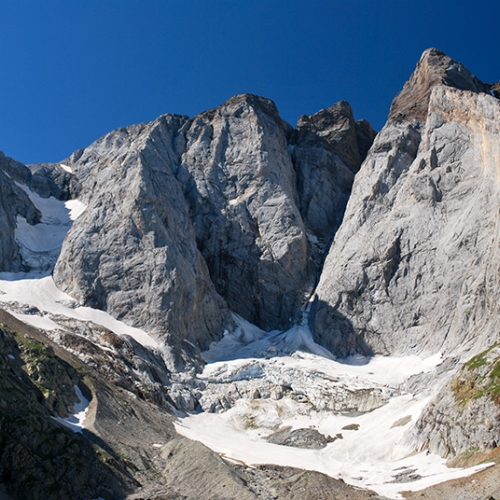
(204, 215)
(211, 233)
(413, 267)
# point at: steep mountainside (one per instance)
(204, 216)
(414, 266)
(321, 297)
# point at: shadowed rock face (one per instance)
(329, 149)
(133, 251)
(13, 202)
(413, 266)
(188, 219)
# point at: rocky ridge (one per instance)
(235, 211)
(205, 214)
(412, 267)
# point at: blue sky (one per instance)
(73, 70)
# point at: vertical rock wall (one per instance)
(415, 263)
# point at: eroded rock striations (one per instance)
(133, 252)
(188, 219)
(414, 265)
(240, 182)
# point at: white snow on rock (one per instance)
(75, 207)
(41, 292)
(66, 167)
(76, 420)
(40, 244)
(41, 237)
(378, 455)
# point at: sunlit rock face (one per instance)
(265, 199)
(187, 219)
(133, 251)
(415, 264)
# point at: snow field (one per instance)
(42, 293)
(373, 456)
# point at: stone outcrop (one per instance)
(329, 149)
(188, 219)
(463, 418)
(13, 202)
(38, 457)
(413, 266)
(49, 179)
(434, 68)
(239, 181)
(133, 251)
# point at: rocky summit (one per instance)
(226, 306)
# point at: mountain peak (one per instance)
(434, 68)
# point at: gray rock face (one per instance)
(300, 438)
(463, 417)
(133, 252)
(434, 68)
(13, 202)
(240, 184)
(330, 147)
(413, 266)
(52, 180)
(187, 218)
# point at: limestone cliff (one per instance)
(413, 267)
(133, 251)
(188, 219)
(240, 182)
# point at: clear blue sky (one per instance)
(73, 70)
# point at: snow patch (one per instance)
(76, 420)
(40, 237)
(66, 167)
(378, 455)
(75, 207)
(41, 292)
(40, 244)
